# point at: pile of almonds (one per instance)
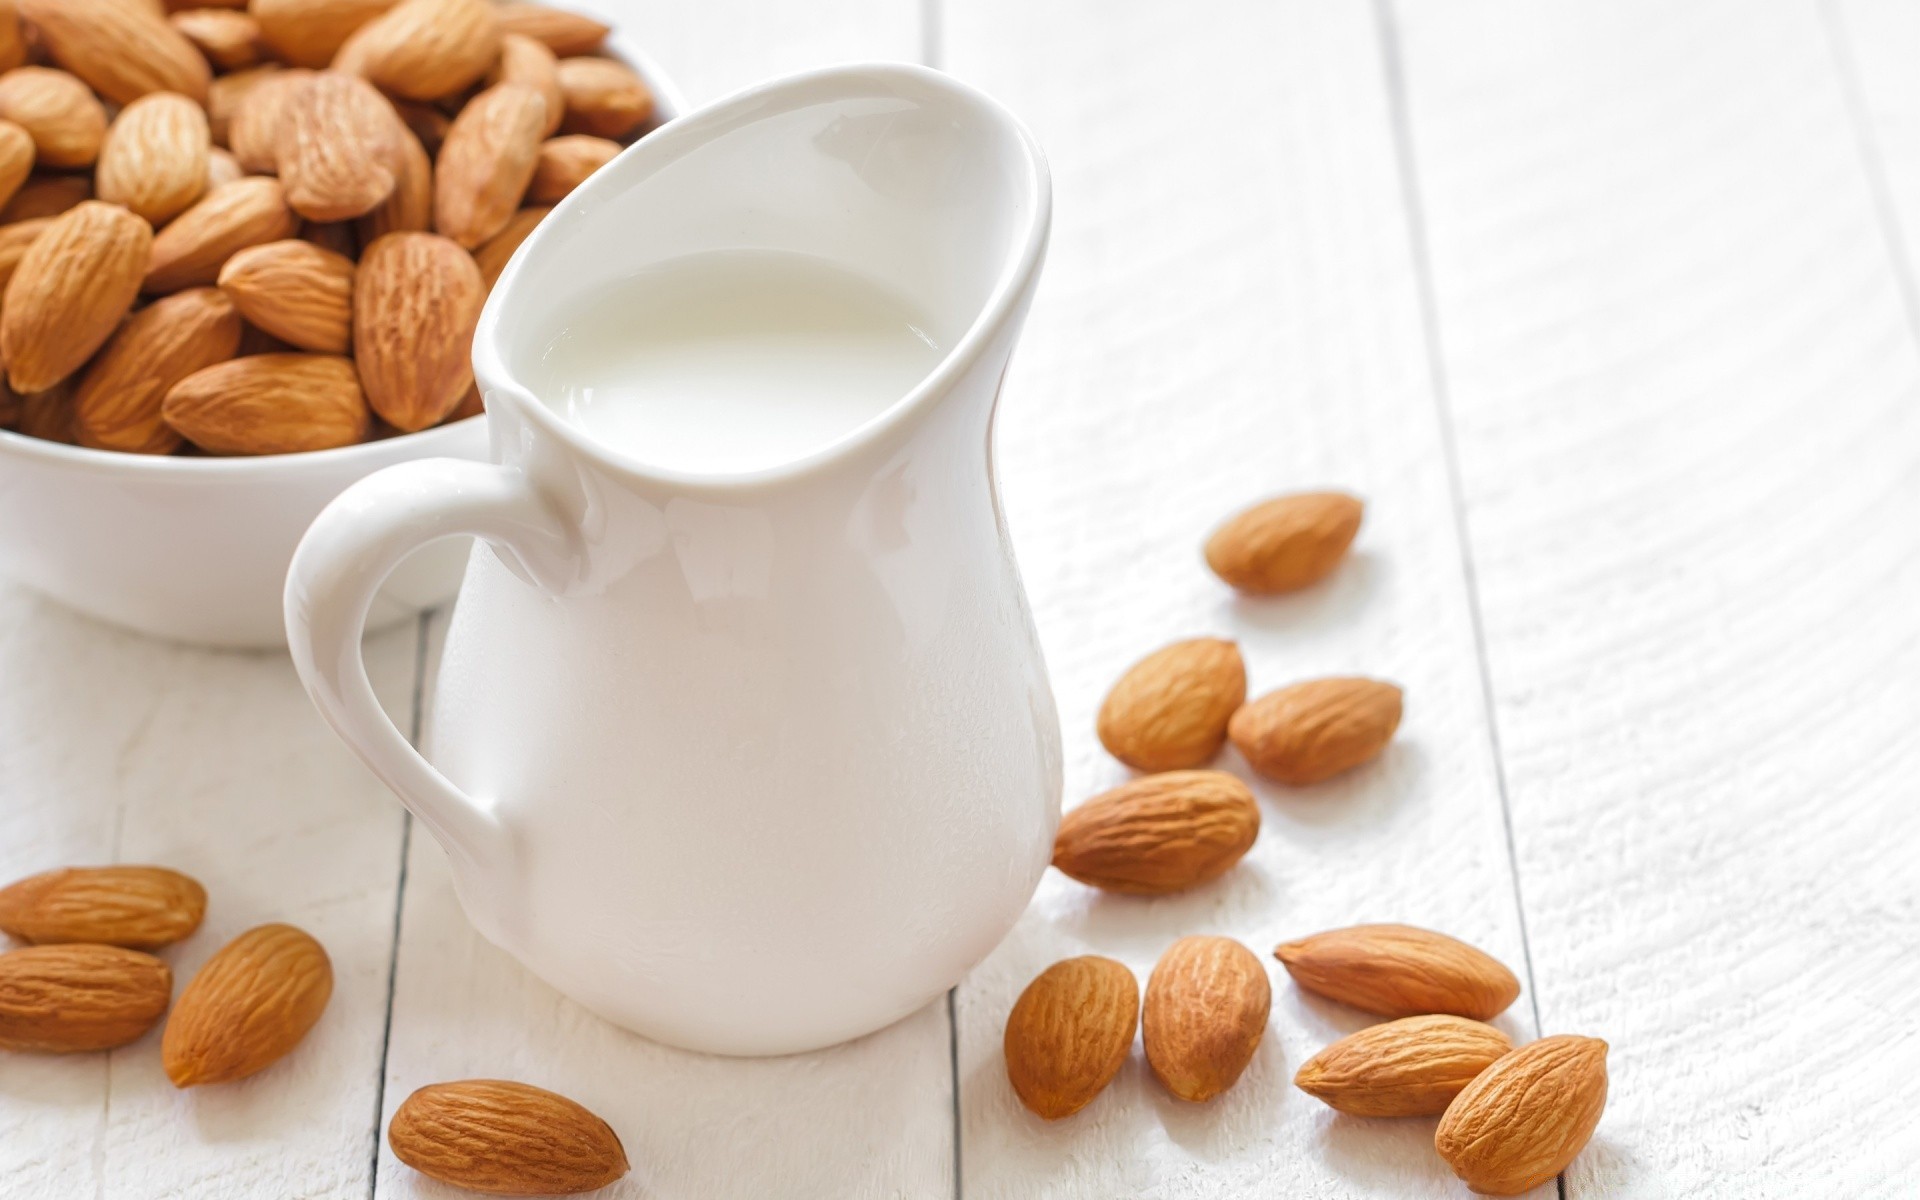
(1510, 1119)
(87, 980)
(267, 226)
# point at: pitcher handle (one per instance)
(350, 549)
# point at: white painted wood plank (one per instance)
(1688, 403)
(114, 748)
(1231, 310)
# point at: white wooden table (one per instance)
(1608, 309)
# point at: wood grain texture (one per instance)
(1231, 310)
(1688, 415)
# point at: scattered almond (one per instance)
(1400, 971)
(1286, 543)
(1070, 1033)
(141, 908)
(604, 98)
(1523, 1119)
(487, 162)
(565, 33)
(1163, 833)
(250, 1004)
(194, 246)
(502, 1138)
(494, 253)
(154, 158)
(75, 282)
(308, 33)
(341, 152)
(257, 129)
(66, 999)
(1170, 710)
(295, 291)
(1310, 732)
(424, 49)
(117, 404)
(1205, 1013)
(228, 38)
(120, 49)
(270, 404)
(416, 301)
(1412, 1067)
(65, 120)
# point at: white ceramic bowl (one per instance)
(196, 549)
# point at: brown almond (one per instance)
(117, 403)
(141, 908)
(1070, 1033)
(563, 32)
(426, 122)
(308, 33)
(494, 253)
(1310, 732)
(1284, 544)
(48, 415)
(410, 205)
(228, 38)
(60, 113)
(337, 236)
(154, 158)
(471, 405)
(424, 49)
(257, 128)
(1412, 1067)
(296, 291)
(248, 1007)
(1400, 971)
(68, 999)
(75, 282)
(525, 60)
(343, 150)
(14, 47)
(226, 92)
(194, 246)
(1523, 1119)
(222, 168)
(487, 162)
(1205, 1013)
(604, 98)
(14, 240)
(1170, 710)
(565, 163)
(416, 300)
(16, 159)
(271, 404)
(1164, 833)
(503, 1138)
(47, 196)
(121, 50)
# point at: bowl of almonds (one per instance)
(243, 248)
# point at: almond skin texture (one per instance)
(271, 404)
(566, 162)
(257, 129)
(1164, 833)
(154, 158)
(141, 908)
(1206, 1010)
(230, 40)
(341, 150)
(296, 291)
(1170, 710)
(16, 159)
(565, 33)
(1400, 971)
(308, 33)
(122, 49)
(494, 254)
(604, 98)
(416, 300)
(502, 1138)
(1286, 543)
(251, 1004)
(117, 403)
(72, 998)
(60, 114)
(1412, 1067)
(75, 282)
(424, 49)
(487, 162)
(1070, 1033)
(524, 60)
(1523, 1119)
(194, 246)
(1310, 732)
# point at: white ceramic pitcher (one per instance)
(746, 763)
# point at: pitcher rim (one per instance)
(683, 134)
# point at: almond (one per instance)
(471, 405)
(1206, 1010)
(270, 404)
(14, 50)
(222, 168)
(257, 128)
(1400, 971)
(603, 98)
(308, 33)
(226, 92)
(14, 240)
(337, 236)
(48, 415)
(230, 40)
(524, 60)
(1412, 1067)
(1170, 710)
(426, 122)
(494, 253)
(1286, 543)
(410, 205)
(192, 248)
(565, 163)
(137, 907)
(62, 116)
(1310, 732)
(16, 159)
(416, 300)
(75, 282)
(71, 998)
(1070, 1033)
(424, 49)
(154, 158)
(251, 1004)
(296, 291)
(1163, 833)
(47, 196)
(120, 48)
(117, 403)
(342, 148)
(487, 162)
(1523, 1119)
(490, 1135)
(565, 33)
